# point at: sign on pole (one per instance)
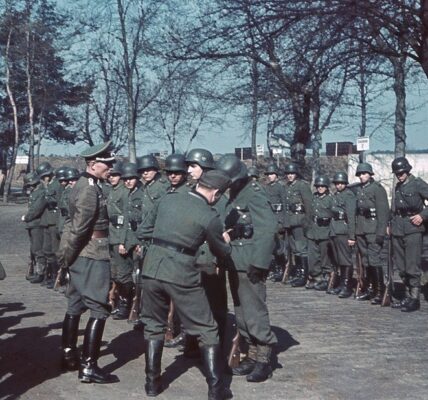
(363, 143)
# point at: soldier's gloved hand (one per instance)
(256, 275)
(379, 240)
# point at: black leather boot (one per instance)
(302, 274)
(346, 290)
(89, 370)
(248, 363)
(413, 302)
(262, 370)
(125, 301)
(40, 273)
(54, 272)
(368, 293)
(212, 362)
(379, 286)
(295, 270)
(322, 284)
(153, 356)
(70, 356)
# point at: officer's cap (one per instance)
(100, 152)
(215, 179)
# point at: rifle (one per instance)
(234, 357)
(134, 314)
(112, 295)
(360, 274)
(332, 279)
(288, 266)
(386, 300)
(62, 278)
(169, 334)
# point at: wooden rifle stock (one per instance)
(169, 334)
(235, 354)
(386, 300)
(360, 274)
(112, 295)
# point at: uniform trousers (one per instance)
(191, 305)
(50, 243)
(121, 266)
(251, 312)
(341, 250)
(407, 253)
(88, 288)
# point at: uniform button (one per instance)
(240, 243)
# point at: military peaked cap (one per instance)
(100, 152)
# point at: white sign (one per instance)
(363, 143)
(260, 150)
(163, 154)
(277, 151)
(23, 160)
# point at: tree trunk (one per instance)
(30, 101)
(316, 134)
(363, 104)
(254, 109)
(399, 86)
(424, 36)
(15, 122)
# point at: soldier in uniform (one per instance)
(176, 228)
(371, 223)
(251, 226)
(318, 234)
(48, 221)
(84, 251)
(154, 184)
(128, 249)
(198, 161)
(253, 173)
(407, 228)
(298, 210)
(342, 231)
(275, 193)
(70, 177)
(117, 200)
(176, 172)
(36, 206)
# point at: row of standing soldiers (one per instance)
(135, 196)
(319, 230)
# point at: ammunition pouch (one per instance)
(406, 212)
(340, 215)
(242, 231)
(322, 221)
(297, 208)
(64, 212)
(277, 208)
(133, 225)
(367, 212)
(116, 220)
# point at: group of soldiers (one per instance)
(320, 230)
(160, 247)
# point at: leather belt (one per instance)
(172, 246)
(99, 234)
(405, 213)
(322, 221)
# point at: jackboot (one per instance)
(54, 272)
(322, 284)
(337, 289)
(30, 272)
(295, 270)
(302, 274)
(40, 274)
(368, 293)
(379, 286)
(346, 290)
(413, 303)
(70, 356)
(212, 362)
(262, 370)
(153, 356)
(248, 363)
(89, 370)
(47, 276)
(125, 301)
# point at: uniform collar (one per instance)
(88, 175)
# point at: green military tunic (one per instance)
(63, 209)
(84, 249)
(154, 191)
(177, 227)
(49, 220)
(407, 237)
(342, 226)
(36, 206)
(117, 201)
(297, 202)
(371, 222)
(253, 226)
(318, 234)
